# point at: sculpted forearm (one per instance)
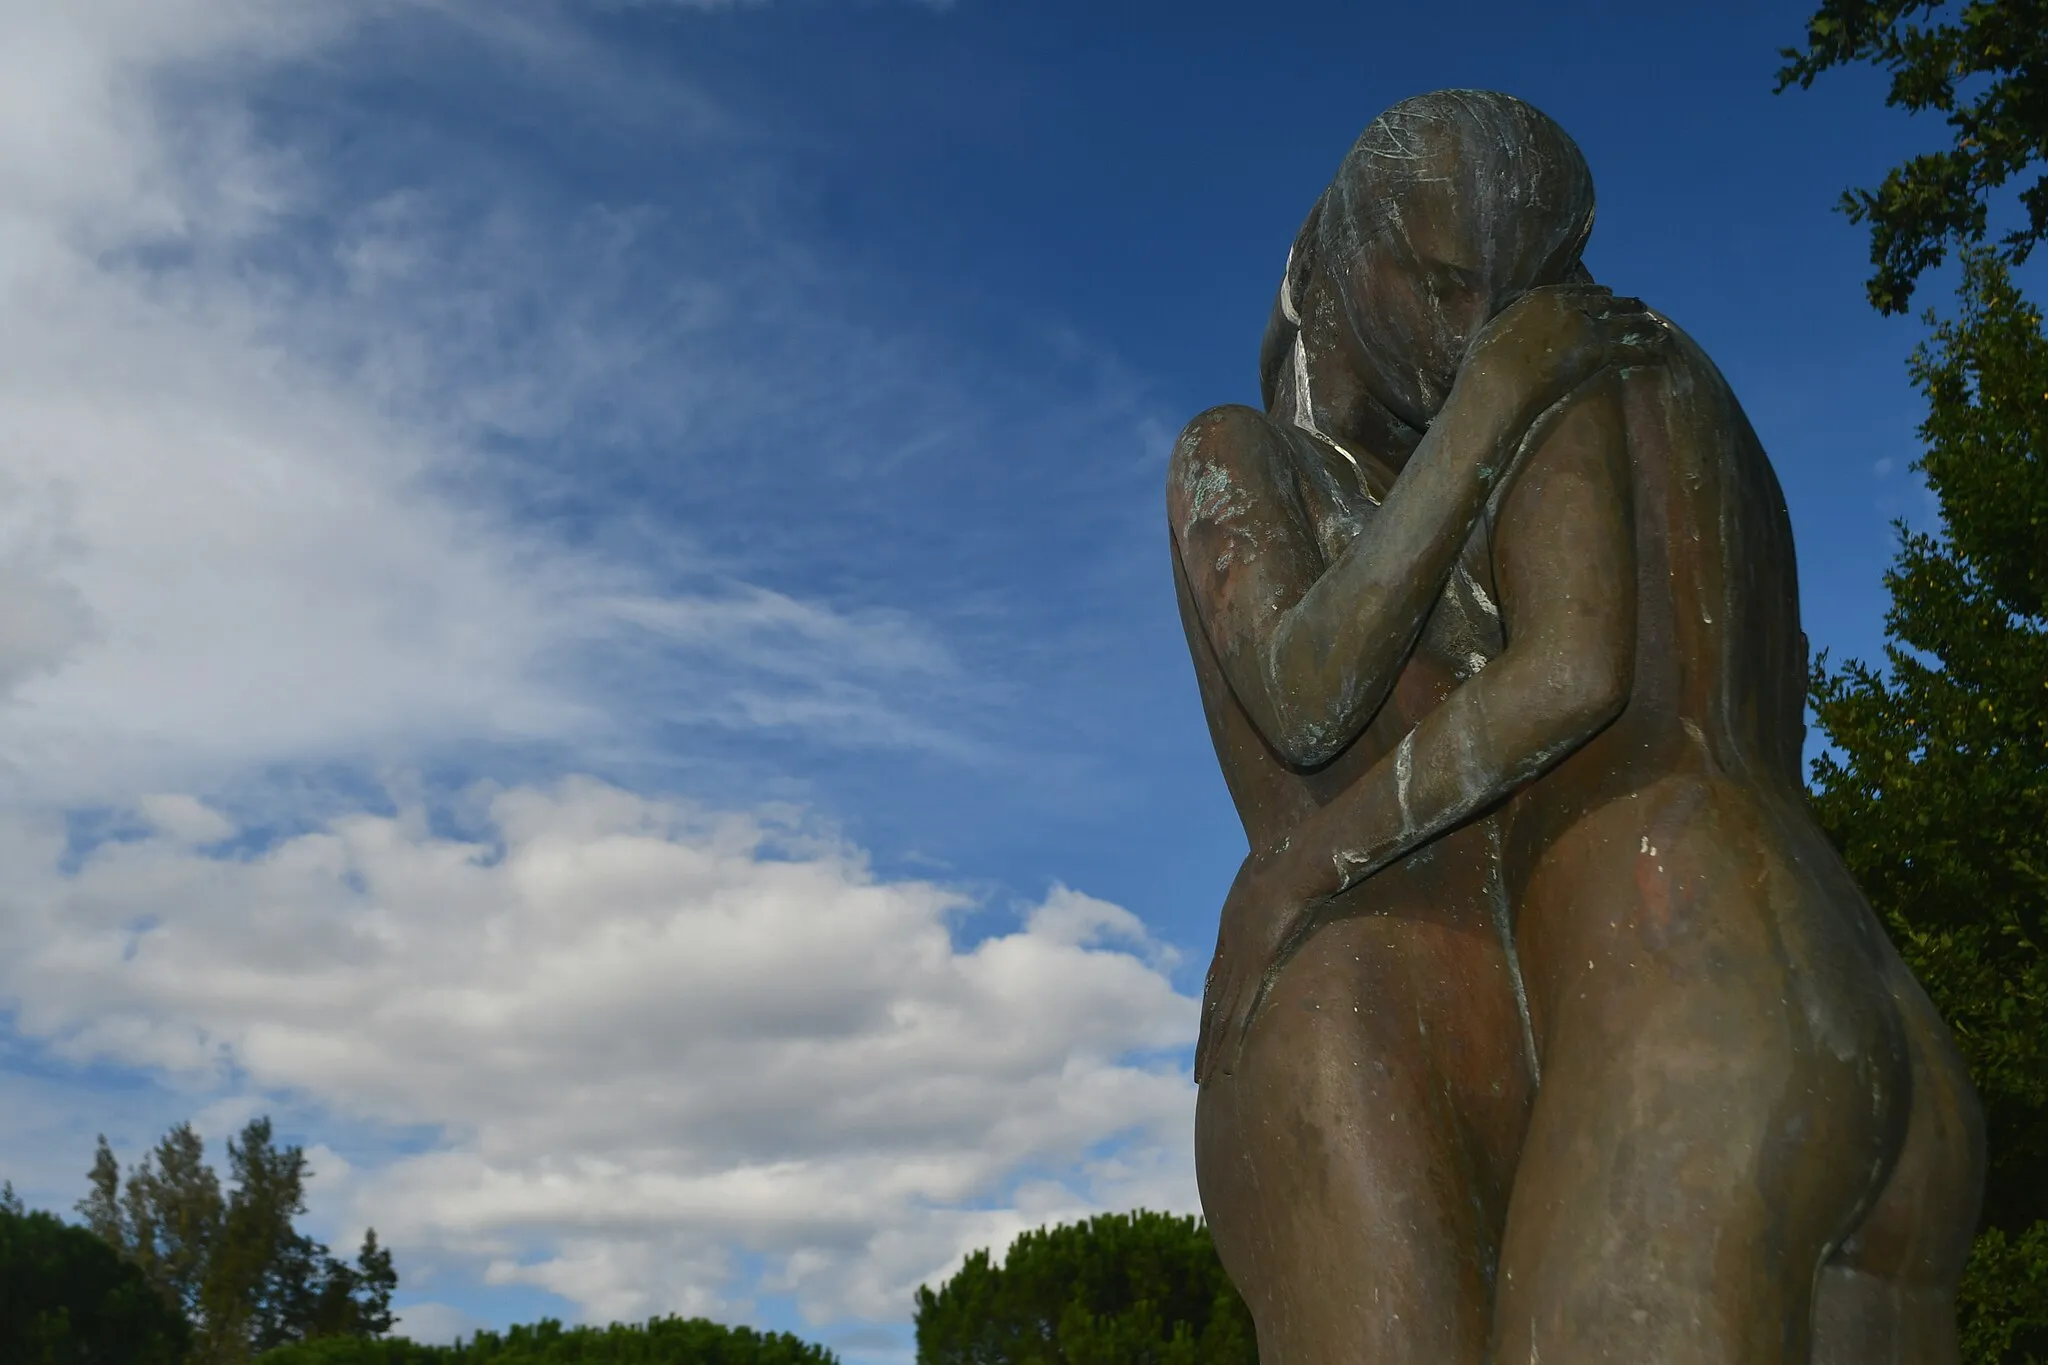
(1566, 673)
(1332, 657)
(1492, 737)
(1311, 650)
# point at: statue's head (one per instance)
(1448, 207)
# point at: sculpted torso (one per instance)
(1544, 1022)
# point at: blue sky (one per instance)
(586, 592)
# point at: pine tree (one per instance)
(659, 1341)
(376, 1281)
(1121, 1289)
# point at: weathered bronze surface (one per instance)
(1544, 1025)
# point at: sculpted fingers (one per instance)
(1640, 337)
(1621, 329)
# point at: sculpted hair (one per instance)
(1480, 177)
(1521, 189)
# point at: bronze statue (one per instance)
(1544, 1024)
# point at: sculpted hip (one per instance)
(1706, 901)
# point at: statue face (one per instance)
(1416, 297)
(1447, 209)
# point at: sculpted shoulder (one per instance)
(1223, 469)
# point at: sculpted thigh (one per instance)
(1724, 1085)
(1355, 1166)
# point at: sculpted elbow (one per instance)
(1595, 686)
(1305, 747)
(1301, 742)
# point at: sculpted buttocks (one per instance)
(1543, 1022)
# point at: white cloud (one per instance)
(216, 556)
(83, 144)
(227, 541)
(436, 1324)
(649, 1034)
(184, 819)
(653, 1040)
(43, 618)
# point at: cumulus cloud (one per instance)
(649, 1034)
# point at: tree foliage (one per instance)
(66, 1298)
(2004, 1306)
(1983, 65)
(660, 1341)
(1936, 786)
(1936, 789)
(1121, 1289)
(233, 1263)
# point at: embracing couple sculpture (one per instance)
(1545, 1025)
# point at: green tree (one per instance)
(102, 1208)
(66, 1298)
(1983, 65)
(168, 1218)
(1140, 1288)
(660, 1341)
(355, 1301)
(1936, 788)
(1936, 784)
(234, 1264)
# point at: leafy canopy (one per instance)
(1983, 66)
(67, 1299)
(232, 1262)
(1121, 1289)
(1937, 786)
(661, 1341)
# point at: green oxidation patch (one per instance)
(1211, 492)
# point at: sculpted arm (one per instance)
(1311, 650)
(1564, 560)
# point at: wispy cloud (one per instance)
(261, 504)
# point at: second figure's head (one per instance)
(1448, 207)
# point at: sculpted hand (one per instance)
(1262, 922)
(1549, 341)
